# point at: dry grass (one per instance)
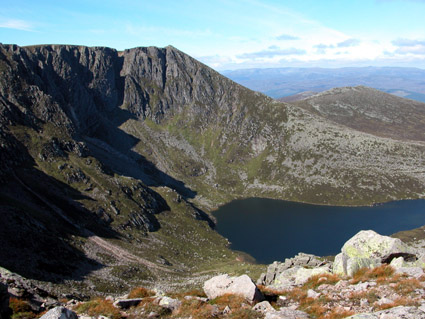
(196, 309)
(323, 279)
(234, 301)
(407, 286)
(19, 305)
(98, 307)
(402, 301)
(338, 313)
(270, 291)
(380, 274)
(140, 292)
(370, 295)
(193, 292)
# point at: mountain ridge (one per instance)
(138, 146)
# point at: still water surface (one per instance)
(271, 230)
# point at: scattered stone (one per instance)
(226, 310)
(59, 313)
(286, 313)
(263, 307)
(312, 294)
(224, 284)
(392, 313)
(415, 272)
(170, 303)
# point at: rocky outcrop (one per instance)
(300, 260)
(369, 249)
(224, 284)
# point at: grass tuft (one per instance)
(378, 273)
(99, 307)
(140, 292)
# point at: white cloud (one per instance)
(16, 24)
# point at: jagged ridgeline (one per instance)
(132, 145)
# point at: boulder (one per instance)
(224, 284)
(369, 249)
(59, 313)
(127, 303)
(263, 307)
(5, 311)
(170, 303)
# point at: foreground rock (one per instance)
(396, 312)
(286, 313)
(59, 313)
(224, 284)
(369, 249)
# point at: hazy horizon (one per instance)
(239, 34)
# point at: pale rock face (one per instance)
(367, 249)
(59, 313)
(224, 284)
(303, 274)
(369, 244)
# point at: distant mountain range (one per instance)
(281, 82)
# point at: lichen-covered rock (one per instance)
(59, 313)
(368, 249)
(224, 284)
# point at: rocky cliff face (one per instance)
(111, 156)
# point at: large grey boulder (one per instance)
(369, 249)
(5, 311)
(224, 284)
(59, 313)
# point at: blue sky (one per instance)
(232, 34)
